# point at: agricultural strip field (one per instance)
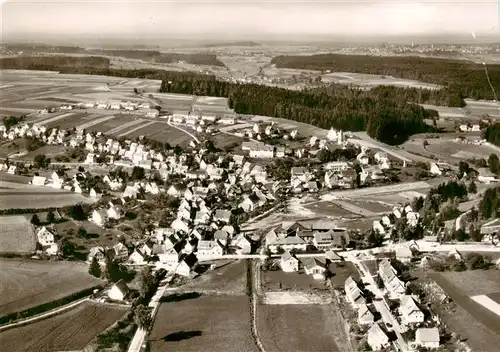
(93, 122)
(135, 128)
(28, 283)
(469, 319)
(124, 126)
(117, 120)
(297, 328)
(16, 235)
(69, 331)
(27, 198)
(326, 208)
(206, 323)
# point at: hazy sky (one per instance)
(361, 17)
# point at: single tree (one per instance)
(95, 267)
(472, 189)
(35, 220)
(51, 218)
(147, 282)
(494, 163)
(142, 317)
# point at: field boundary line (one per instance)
(253, 281)
(43, 315)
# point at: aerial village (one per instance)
(208, 194)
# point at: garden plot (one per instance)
(299, 328)
(28, 283)
(203, 323)
(69, 331)
(278, 280)
(16, 235)
(31, 198)
(294, 297)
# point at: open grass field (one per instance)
(470, 319)
(69, 331)
(28, 283)
(474, 282)
(16, 235)
(327, 208)
(228, 277)
(341, 271)
(294, 328)
(205, 323)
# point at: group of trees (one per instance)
(386, 117)
(490, 203)
(10, 121)
(492, 133)
(53, 62)
(460, 78)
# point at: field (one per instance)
(27, 283)
(16, 235)
(277, 280)
(445, 149)
(208, 323)
(307, 328)
(341, 271)
(478, 324)
(17, 194)
(69, 331)
(228, 277)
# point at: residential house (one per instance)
(261, 151)
(336, 166)
(99, 217)
(286, 243)
(187, 263)
(221, 236)
(403, 253)
(314, 267)
(38, 181)
(45, 237)
(95, 194)
(427, 337)
(119, 291)
(485, 175)
(130, 191)
(113, 212)
(12, 169)
(222, 216)
(242, 244)
(332, 256)
(209, 249)
(389, 276)
(330, 240)
(98, 252)
(377, 338)
(137, 257)
(410, 312)
(121, 251)
(353, 292)
(439, 168)
(365, 316)
(179, 225)
(288, 262)
(173, 191)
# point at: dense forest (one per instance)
(458, 77)
(386, 117)
(53, 63)
(145, 55)
(492, 134)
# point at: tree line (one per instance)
(458, 77)
(492, 134)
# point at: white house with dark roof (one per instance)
(99, 217)
(242, 244)
(209, 249)
(353, 292)
(314, 267)
(287, 244)
(222, 215)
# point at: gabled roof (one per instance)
(310, 263)
(122, 287)
(286, 256)
(427, 335)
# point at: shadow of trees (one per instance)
(177, 297)
(181, 335)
